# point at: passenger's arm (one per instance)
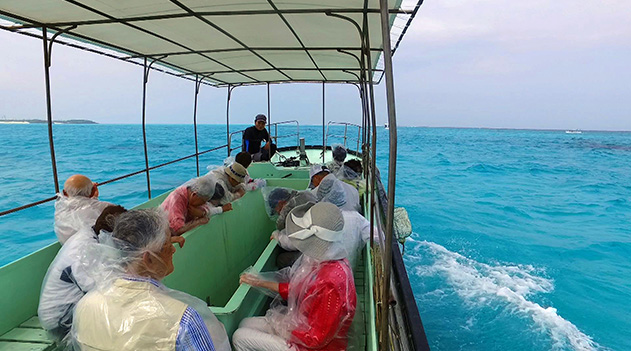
(191, 225)
(253, 280)
(193, 333)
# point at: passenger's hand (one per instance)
(226, 207)
(178, 240)
(250, 279)
(203, 220)
(241, 192)
(274, 235)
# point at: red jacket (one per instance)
(327, 301)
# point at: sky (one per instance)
(536, 64)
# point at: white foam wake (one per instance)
(479, 283)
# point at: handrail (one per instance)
(345, 136)
(33, 204)
(275, 137)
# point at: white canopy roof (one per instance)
(224, 41)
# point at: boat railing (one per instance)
(345, 136)
(144, 170)
(275, 136)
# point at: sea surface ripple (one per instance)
(521, 239)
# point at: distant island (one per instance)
(42, 121)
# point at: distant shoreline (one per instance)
(41, 121)
(85, 121)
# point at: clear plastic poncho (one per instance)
(349, 176)
(339, 193)
(230, 193)
(127, 310)
(316, 305)
(66, 282)
(74, 213)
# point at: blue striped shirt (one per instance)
(193, 334)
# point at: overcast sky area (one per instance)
(478, 63)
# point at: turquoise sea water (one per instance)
(522, 238)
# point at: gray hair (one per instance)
(141, 230)
(84, 190)
(204, 187)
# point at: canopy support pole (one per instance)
(269, 117)
(323, 122)
(392, 163)
(145, 79)
(48, 48)
(230, 87)
(198, 82)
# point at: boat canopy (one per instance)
(227, 42)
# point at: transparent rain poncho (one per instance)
(66, 282)
(338, 193)
(349, 176)
(231, 192)
(338, 152)
(129, 310)
(317, 299)
(74, 213)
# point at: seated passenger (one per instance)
(244, 159)
(356, 227)
(339, 155)
(68, 279)
(316, 174)
(133, 310)
(282, 201)
(186, 206)
(330, 186)
(232, 179)
(78, 206)
(352, 173)
(252, 138)
(320, 290)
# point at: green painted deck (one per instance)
(208, 267)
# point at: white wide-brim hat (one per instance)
(317, 230)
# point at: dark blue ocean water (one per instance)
(522, 238)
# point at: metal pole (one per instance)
(323, 122)
(49, 111)
(228, 118)
(392, 162)
(145, 79)
(269, 117)
(197, 85)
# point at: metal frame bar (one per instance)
(392, 163)
(197, 85)
(101, 13)
(52, 198)
(323, 122)
(49, 111)
(256, 48)
(113, 20)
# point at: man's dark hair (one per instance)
(244, 159)
(219, 192)
(107, 218)
(355, 165)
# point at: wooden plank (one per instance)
(26, 335)
(22, 346)
(32, 322)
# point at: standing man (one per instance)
(252, 138)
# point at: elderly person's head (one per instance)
(236, 173)
(331, 190)
(317, 173)
(317, 230)
(277, 199)
(201, 190)
(80, 185)
(339, 153)
(145, 239)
